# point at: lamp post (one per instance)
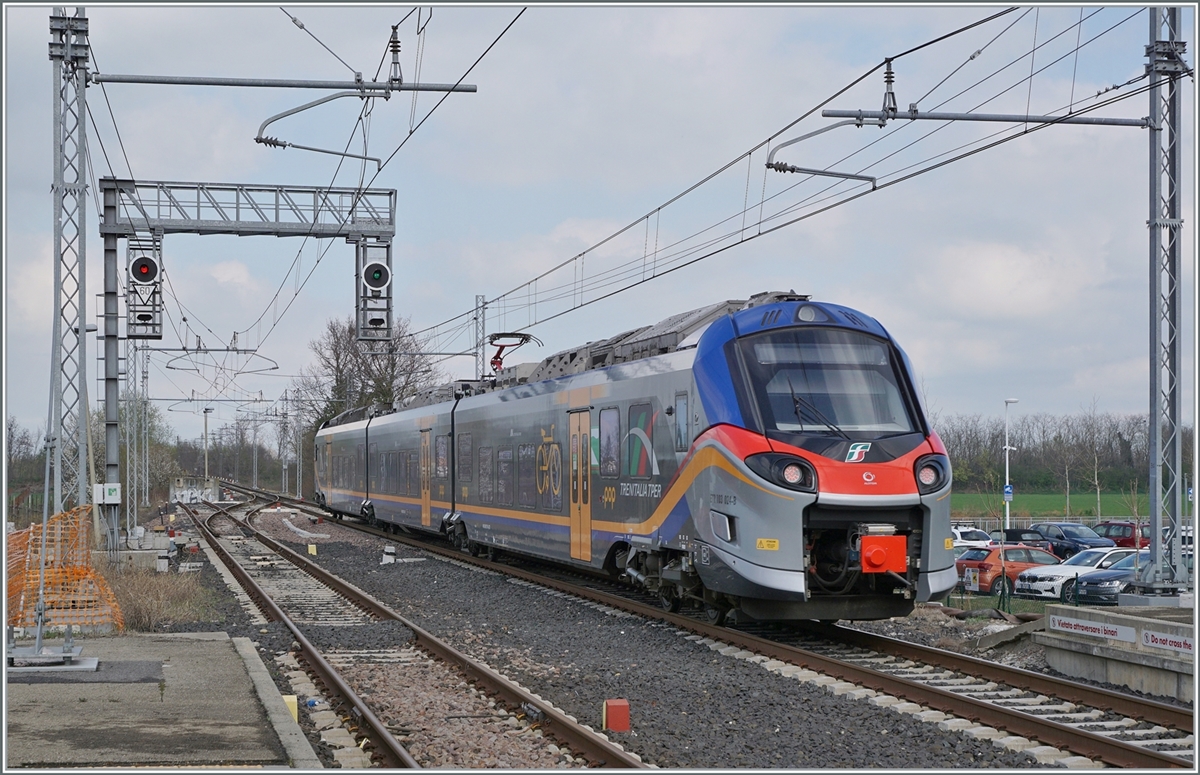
(1007, 401)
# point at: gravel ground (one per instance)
(690, 707)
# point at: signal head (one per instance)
(376, 275)
(144, 269)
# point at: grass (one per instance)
(149, 599)
(1045, 505)
(973, 601)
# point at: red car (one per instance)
(979, 570)
(1121, 533)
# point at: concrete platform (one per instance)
(1147, 648)
(156, 700)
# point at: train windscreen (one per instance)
(827, 381)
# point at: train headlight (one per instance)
(932, 472)
(784, 470)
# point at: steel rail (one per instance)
(1112, 752)
(1127, 705)
(388, 747)
(590, 745)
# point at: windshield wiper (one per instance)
(797, 402)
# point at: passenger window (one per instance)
(504, 476)
(485, 475)
(526, 480)
(641, 445)
(442, 460)
(610, 443)
(682, 436)
(464, 458)
(549, 476)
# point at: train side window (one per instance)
(393, 473)
(486, 490)
(464, 458)
(681, 422)
(526, 479)
(549, 476)
(414, 473)
(442, 460)
(641, 447)
(374, 469)
(610, 443)
(504, 476)
(360, 470)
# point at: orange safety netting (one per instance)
(75, 594)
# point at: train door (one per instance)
(581, 478)
(425, 466)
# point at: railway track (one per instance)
(297, 592)
(955, 690)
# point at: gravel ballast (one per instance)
(690, 706)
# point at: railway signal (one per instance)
(143, 299)
(373, 281)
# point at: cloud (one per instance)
(235, 274)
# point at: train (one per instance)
(767, 457)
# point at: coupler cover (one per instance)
(884, 553)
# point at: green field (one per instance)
(1043, 505)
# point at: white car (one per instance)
(971, 537)
(1057, 582)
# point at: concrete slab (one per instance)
(204, 712)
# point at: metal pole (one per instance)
(112, 439)
(480, 336)
(255, 485)
(207, 409)
(1007, 401)
(1165, 66)
(69, 53)
(368, 88)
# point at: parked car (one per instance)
(1185, 536)
(1022, 535)
(1057, 582)
(1102, 587)
(968, 535)
(988, 569)
(1122, 533)
(1068, 538)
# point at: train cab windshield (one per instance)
(829, 382)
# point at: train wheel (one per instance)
(714, 615)
(669, 599)
(474, 549)
(493, 554)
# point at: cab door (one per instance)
(581, 485)
(426, 466)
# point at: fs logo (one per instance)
(858, 452)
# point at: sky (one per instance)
(1019, 271)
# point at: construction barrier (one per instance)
(74, 593)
